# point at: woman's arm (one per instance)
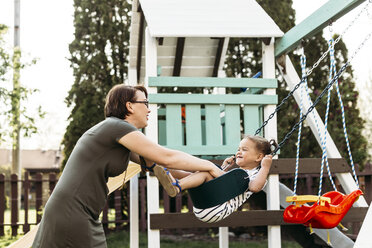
(258, 183)
(134, 158)
(137, 142)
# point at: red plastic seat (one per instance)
(324, 217)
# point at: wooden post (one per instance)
(368, 182)
(14, 203)
(189, 203)
(2, 203)
(179, 203)
(166, 201)
(152, 134)
(52, 182)
(117, 203)
(26, 188)
(39, 195)
(270, 131)
(143, 218)
(133, 211)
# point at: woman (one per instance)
(71, 215)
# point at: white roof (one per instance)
(208, 18)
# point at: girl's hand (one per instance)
(266, 162)
(228, 162)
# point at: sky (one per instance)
(47, 29)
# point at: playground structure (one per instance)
(183, 44)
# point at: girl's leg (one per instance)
(179, 174)
(195, 179)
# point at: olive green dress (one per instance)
(71, 215)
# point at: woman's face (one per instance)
(247, 156)
(140, 110)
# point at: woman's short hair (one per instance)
(117, 98)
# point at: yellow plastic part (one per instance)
(328, 239)
(311, 229)
(342, 227)
(302, 199)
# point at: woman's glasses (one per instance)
(144, 102)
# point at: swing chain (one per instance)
(360, 46)
(279, 106)
(295, 127)
(314, 66)
(338, 38)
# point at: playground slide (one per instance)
(364, 237)
(112, 184)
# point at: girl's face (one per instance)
(247, 156)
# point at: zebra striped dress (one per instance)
(221, 211)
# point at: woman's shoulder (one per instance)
(116, 122)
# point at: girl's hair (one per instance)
(117, 98)
(263, 145)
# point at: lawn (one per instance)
(121, 240)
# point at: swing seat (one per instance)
(324, 217)
(220, 189)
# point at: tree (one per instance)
(99, 58)
(14, 116)
(364, 103)
(244, 60)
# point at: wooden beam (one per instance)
(239, 218)
(329, 12)
(139, 45)
(213, 82)
(218, 57)
(178, 57)
(172, 98)
(307, 165)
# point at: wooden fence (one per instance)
(118, 202)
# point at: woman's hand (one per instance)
(228, 162)
(216, 172)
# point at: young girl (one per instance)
(252, 156)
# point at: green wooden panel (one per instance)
(173, 124)
(330, 11)
(232, 124)
(251, 118)
(212, 99)
(213, 125)
(162, 132)
(212, 82)
(206, 150)
(193, 125)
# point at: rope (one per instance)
(303, 70)
(330, 83)
(324, 144)
(333, 66)
(365, 8)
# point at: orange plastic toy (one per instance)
(322, 214)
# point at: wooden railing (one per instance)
(33, 200)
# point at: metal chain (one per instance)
(294, 128)
(316, 64)
(329, 85)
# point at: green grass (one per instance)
(121, 240)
